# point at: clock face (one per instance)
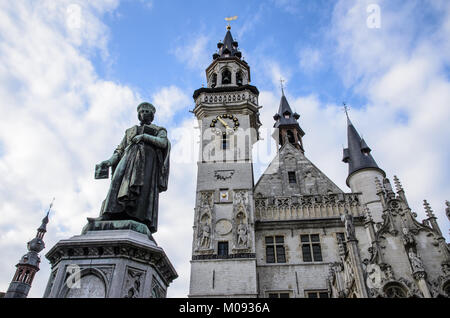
(225, 124)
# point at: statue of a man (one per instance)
(140, 171)
(348, 223)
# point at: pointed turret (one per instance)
(287, 123)
(362, 171)
(28, 264)
(227, 48)
(357, 155)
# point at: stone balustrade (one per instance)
(233, 97)
(307, 207)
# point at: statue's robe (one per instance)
(138, 178)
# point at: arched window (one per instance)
(394, 291)
(291, 137)
(25, 277)
(239, 78)
(214, 80)
(226, 77)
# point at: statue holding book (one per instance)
(140, 171)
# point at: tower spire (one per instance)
(357, 154)
(29, 263)
(287, 123)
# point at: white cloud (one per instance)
(168, 101)
(195, 54)
(58, 120)
(310, 59)
(400, 69)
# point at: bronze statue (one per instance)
(140, 171)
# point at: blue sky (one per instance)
(70, 86)
(144, 39)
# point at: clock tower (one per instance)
(223, 247)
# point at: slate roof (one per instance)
(228, 47)
(280, 116)
(357, 154)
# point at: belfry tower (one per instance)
(223, 249)
(28, 264)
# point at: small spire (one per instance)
(428, 209)
(378, 185)
(346, 108)
(282, 86)
(398, 185)
(43, 227)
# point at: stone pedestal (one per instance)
(111, 259)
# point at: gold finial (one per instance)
(230, 19)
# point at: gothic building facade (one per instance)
(293, 232)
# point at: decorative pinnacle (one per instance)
(428, 209)
(378, 185)
(368, 215)
(398, 185)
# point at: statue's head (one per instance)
(146, 113)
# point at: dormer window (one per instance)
(226, 77)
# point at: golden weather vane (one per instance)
(230, 19)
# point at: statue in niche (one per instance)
(242, 234)
(408, 238)
(205, 237)
(416, 262)
(348, 223)
(140, 171)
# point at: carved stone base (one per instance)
(122, 261)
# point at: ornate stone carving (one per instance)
(223, 227)
(242, 235)
(223, 174)
(157, 290)
(133, 283)
(416, 265)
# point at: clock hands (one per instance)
(223, 122)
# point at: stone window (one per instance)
(239, 78)
(290, 136)
(226, 77)
(275, 252)
(311, 249)
(291, 177)
(317, 294)
(278, 295)
(222, 249)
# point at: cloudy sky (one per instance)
(72, 73)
